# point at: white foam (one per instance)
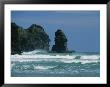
(34, 52)
(42, 56)
(90, 57)
(57, 58)
(82, 61)
(43, 67)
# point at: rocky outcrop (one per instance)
(28, 39)
(60, 42)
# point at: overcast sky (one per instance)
(82, 28)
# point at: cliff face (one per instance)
(28, 39)
(60, 42)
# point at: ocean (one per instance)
(39, 63)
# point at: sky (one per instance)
(82, 28)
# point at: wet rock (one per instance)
(60, 42)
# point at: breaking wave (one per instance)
(55, 64)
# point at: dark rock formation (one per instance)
(60, 42)
(15, 38)
(28, 39)
(38, 38)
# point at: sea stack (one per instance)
(60, 42)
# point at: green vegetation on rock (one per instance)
(34, 38)
(28, 39)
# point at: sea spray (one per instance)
(55, 65)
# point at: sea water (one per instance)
(43, 64)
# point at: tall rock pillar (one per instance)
(60, 42)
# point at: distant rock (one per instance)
(38, 38)
(28, 39)
(60, 42)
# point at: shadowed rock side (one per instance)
(60, 42)
(28, 39)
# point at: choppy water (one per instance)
(43, 64)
